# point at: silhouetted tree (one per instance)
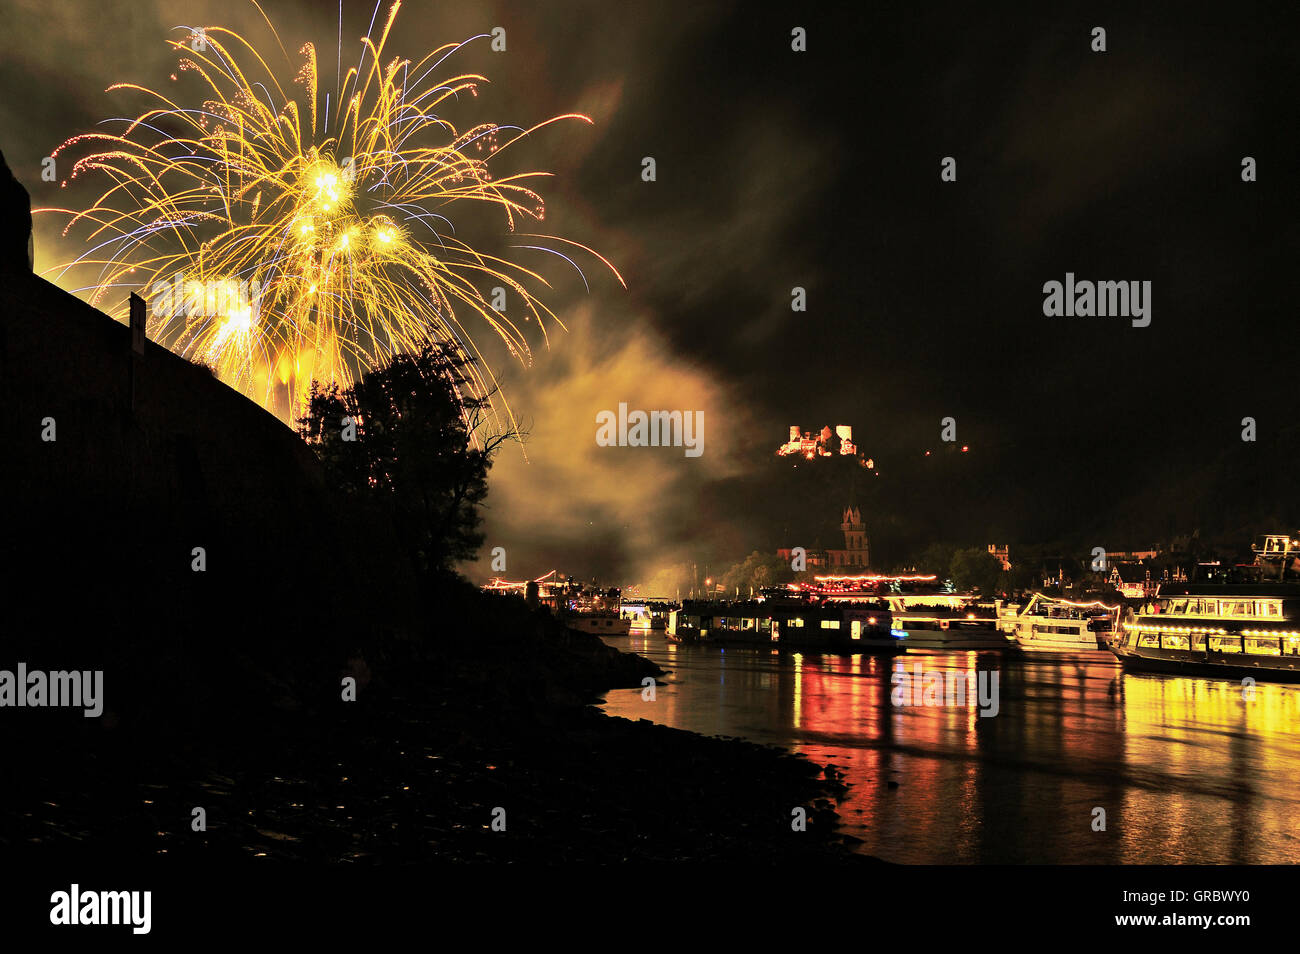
(757, 571)
(936, 558)
(409, 442)
(974, 568)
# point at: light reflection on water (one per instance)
(1187, 770)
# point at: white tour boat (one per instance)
(1046, 624)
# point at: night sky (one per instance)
(821, 170)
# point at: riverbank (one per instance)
(442, 732)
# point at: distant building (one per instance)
(1002, 554)
(1133, 580)
(813, 558)
(855, 555)
(1130, 556)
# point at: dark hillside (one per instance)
(101, 522)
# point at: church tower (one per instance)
(855, 538)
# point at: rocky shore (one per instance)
(489, 712)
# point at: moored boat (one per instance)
(1050, 625)
(1228, 630)
(646, 614)
(1224, 630)
(600, 623)
(948, 622)
(785, 623)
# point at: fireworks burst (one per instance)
(283, 239)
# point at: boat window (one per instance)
(1291, 646)
(796, 622)
(1210, 607)
(1177, 606)
(1151, 640)
(830, 624)
(1173, 641)
(1198, 642)
(1225, 644)
(1263, 646)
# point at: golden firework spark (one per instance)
(280, 242)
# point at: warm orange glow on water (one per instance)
(1187, 770)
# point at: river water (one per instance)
(1186, 770)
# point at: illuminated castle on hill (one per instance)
(826, 444)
